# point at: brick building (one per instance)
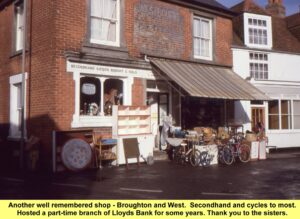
(83, 54)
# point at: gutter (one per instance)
(23, 122)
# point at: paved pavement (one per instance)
(278, 177)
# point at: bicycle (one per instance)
(187, 152)
(235, 148)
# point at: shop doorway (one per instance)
(159, 103)
(257, 116)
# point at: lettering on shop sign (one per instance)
(158, 28)
(102, 69)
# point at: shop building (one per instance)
(174, 56)
(266, 52)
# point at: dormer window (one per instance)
(258, 31)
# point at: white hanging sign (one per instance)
(88, 89)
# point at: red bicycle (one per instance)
(236, 149)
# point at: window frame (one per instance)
(13, 105)
(210, 22)
(118, 27)
(17, 43)
(267, 28)
(264, 62)
(83, 121)
(294, 114)
(290, 114)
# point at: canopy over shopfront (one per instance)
(206, 81)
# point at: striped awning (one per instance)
(207, 81)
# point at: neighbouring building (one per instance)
(266, 52)
(174, 56)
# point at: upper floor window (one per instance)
(105, 22)
(259, 68)
(19, 22)
(202, 38)
(258, 31)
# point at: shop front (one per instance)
(135, 103)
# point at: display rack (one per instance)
(133, 120)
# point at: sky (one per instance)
(292, 6)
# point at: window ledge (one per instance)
(88, 44)
(92, 121)
(286, 131)
(16, 53)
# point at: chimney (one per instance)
(276, 8)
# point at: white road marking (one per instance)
(223, 194)
(141, 190)
(12, 179)
(69, 185)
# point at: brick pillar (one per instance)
(138, 91)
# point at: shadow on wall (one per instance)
(241, 116)
(40, 127)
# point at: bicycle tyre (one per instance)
(205, 159)
(244, 153)
(195, 158)
(228, 156)
(177, 156)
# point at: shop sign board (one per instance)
(109, 70)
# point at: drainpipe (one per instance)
(23, 125)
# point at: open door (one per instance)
(257, 116)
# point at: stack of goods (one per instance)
(250, 137)
(208, 134)
(223, 133)
(108, 155)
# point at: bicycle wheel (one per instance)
(227, 155)
(205, 159)
(244, 153)
(177, 156)
(194, 158)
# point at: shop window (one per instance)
(202, 29)
(90, 98)
(19, 20)
(296, 110)
(105, 22)
(113, 89)
(286, 118)
(273, 114)
(280, 113)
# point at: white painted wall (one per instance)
(282, 67)
(283, 83)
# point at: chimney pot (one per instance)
(276, 8)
